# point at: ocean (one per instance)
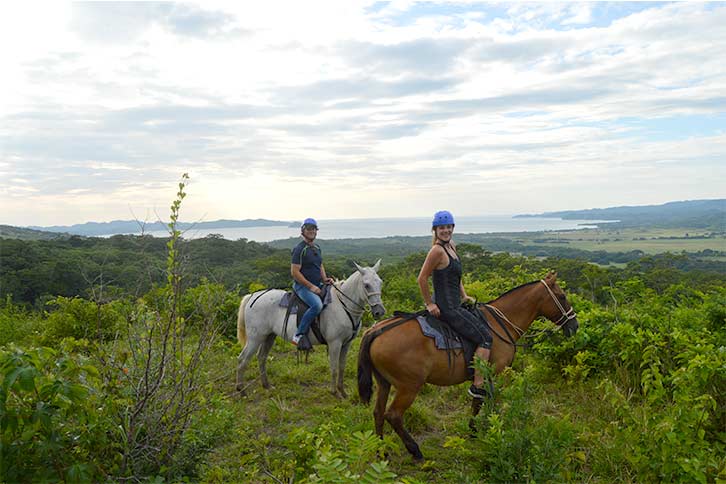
(386, 227)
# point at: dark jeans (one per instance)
(312, 300)
(467, 325)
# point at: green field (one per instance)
(650, 241)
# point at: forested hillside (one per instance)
(10, 232)
(33, 271)
(117, 360)
(709, 214)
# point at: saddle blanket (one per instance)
(434, 333)
(289, 296)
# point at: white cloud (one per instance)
(105, 105)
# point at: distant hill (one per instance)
(134, 227)
(704, 214)
(10, 232)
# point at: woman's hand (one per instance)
(433, 310)
(468, 299)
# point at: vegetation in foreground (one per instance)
(637, 395)
(130, 384)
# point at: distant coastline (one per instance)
(135, 227)
(696, 214)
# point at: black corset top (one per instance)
(447, 282)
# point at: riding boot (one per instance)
(304, 343)
(479, 393)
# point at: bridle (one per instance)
(360, 307)
(565, 317)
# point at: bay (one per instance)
(386, 227)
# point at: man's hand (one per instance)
(469, 299)
(316, 290)
(329, 280)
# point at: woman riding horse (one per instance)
(443, 262)
(397, 353)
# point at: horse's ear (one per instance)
(551, 277)
(377, 266)
(360, 269)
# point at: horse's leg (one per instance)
(500, 361)
(243, 360)
(265, 348)
(384, 389)
(405, 395)
(477, 402)
(334, 348)
(341, 369)
(475, 408)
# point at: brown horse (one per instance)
(397, 353)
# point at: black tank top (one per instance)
(447, 283)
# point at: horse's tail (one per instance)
(365, 364)
(365, 367)
(241, 331)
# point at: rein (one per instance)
(362, 309)
(499, 316)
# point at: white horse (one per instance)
(258, 325)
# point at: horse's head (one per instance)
(557, 308)
(370, 288)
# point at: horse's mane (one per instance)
(512, 290)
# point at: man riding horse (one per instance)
(308, 275)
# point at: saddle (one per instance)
(295, 305)
(445, 338)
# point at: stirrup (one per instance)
(478, 393)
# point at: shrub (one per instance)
(522, 446)
(52, 426)
(82, 319)
(331, 454)
(17, 324)
(211, 302)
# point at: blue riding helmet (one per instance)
(443, 217)
(309, 221)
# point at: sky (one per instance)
(356, 109)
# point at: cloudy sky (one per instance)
(357, 109)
